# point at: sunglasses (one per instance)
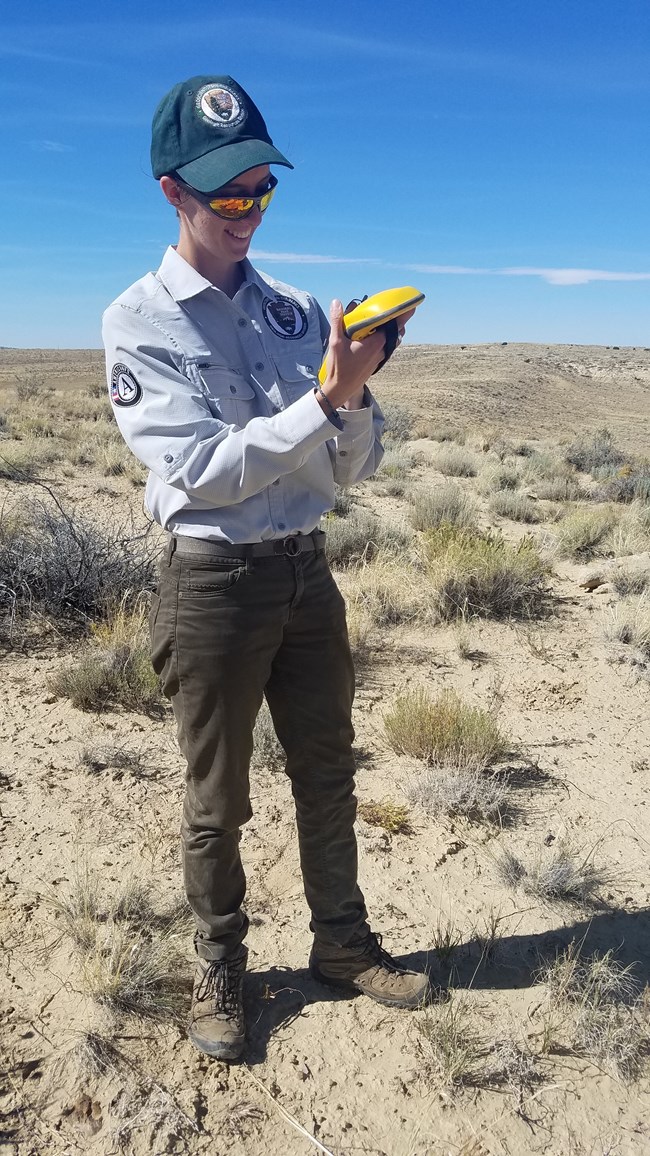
(234, 208)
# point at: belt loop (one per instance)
(249, 560)
(171, 549)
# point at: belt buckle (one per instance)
(291, 546)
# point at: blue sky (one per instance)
(493, 153)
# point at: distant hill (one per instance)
(519, 390)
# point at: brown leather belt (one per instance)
(290, 546)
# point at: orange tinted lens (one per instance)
(232, 207)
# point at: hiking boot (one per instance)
(217, 1016)
(364, 966)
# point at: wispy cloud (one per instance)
(311, 258)
(51, 146)
(574, 276)
(551, 276)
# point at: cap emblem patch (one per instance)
(219, 106)
(285, 317)
(125, 388)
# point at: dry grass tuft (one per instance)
(452, 1050)
(629, 624)
(480, 574)
(384, 591)
(390, 816)
(78, 908)
(444, 730)
(131, 972)
(595, 1008)
(567, 875)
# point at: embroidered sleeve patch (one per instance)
(125, 388)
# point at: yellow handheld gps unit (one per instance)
(382, 309)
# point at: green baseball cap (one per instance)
(208, 130)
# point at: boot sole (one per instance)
(352, 988)
(217, 1051)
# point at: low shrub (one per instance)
(399, 421)
(359, 536)
(444, 730)
(115, 669)
(390, 816)
(397, 462)
(443, 504)
(480, 574)
(589, 454)
(267, 751)
(501, 477)
(65, 569)
(583, 530)
(456, 462)
(516, 507)
(460, 790)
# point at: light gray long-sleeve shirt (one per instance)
(216, 397)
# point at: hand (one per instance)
(349, 363)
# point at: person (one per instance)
(213, 373)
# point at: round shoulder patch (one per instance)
(285, 317)
(125, 388)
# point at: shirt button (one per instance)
(282, 525)
(233, 389)
(309, 368)
(343, 453)
(276, 409)
(276, 482)
(242, 323)
(259, 365)
(168, 458)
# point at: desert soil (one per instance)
(354, 1075)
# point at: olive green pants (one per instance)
(226, 632)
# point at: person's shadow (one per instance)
(276, 997)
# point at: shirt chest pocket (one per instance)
(296, 377)
(230, 397)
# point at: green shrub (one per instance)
(480, 574)
(444, 730)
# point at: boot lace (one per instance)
(221, 982)
(372, 946)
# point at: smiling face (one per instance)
(213, 246)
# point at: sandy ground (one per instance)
(355, 1076)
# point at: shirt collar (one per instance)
(183, 281)
(180, 278)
